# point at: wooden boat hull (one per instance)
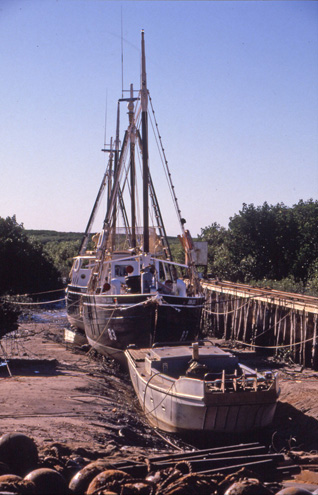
(185, 404)
(74, 306)
(112, 323)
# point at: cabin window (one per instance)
(165, 367)
(123, 270)
(162, 273)
(77, 264)
(120, 270)
(86, 263)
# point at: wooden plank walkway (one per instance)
(299, 302)
(283, 321)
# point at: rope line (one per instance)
(38, 293)
(227, 312)
(275, 324)
(35, 303)
(274, 346)
(153, 299)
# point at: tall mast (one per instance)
(132, 166)
(115, 172)
(144, 130)
(110, 176)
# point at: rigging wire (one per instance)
(167, 170)
(153, 217)
(122, 53)
(163, 163)
(105, 131)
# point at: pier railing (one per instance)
(281, 322)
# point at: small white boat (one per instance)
(200, 387)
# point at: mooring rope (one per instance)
(34, 303)
(225, 313)
(38, 293)
(153, 299)
(21, 303)
(275, 324)
(273, 346)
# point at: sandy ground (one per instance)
(58, 393)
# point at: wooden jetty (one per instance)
(263, 317)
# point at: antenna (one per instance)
(122, 54)
(105, 121)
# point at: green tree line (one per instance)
(60, 247)
(268, 245)
(25, 268)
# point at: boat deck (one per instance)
(177, 352)
(177, 359)
(138, 355)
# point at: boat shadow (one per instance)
(293, 429)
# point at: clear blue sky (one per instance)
(234, 85)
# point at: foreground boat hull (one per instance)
(113, 323)
(185, 404)
(177, 415)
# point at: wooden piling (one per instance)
(265, 317)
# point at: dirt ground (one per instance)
(58, 393)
